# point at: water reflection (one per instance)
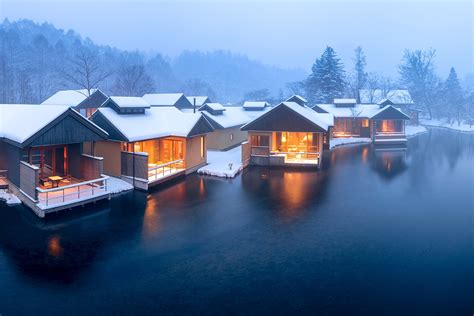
(288, 191)
(389, 163)
(54, 246)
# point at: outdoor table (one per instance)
(55, 180)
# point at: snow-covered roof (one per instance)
(215, 106)
(200, 100)
(297, 97)
(156, 122)
(130, 102)
(358, 110)
(399, 96)
(18, 122)
(233, 116)
(162, 99)
(324, 121)
(68, 98)
(255, 104)
(345, 101)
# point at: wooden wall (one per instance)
(29, 179)
(193, 153)
(91, 167)
(141, 165)
(111, 152)
(220, 139)
(245, 154)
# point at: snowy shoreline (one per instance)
(412, 131)
(344, 141)
(464, 128)
(9, 198)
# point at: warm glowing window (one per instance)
(365, 123)
(202, 147)
(260, 140)
(296, 142)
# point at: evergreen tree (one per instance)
(453, 97)
(326, 81)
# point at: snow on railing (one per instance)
(72, 192)
(3, 174)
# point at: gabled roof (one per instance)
(129, 102)
(21, 123)
(292, 117)
(399, 96)
(296, 98)
(200, 100)
(70, 98)
(165, 99)
(231, 117)
(255, 105)
(389, 112)
(358, 110)
(156, 122)
(213, 106)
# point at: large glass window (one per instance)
(296, 142)
(389, 126)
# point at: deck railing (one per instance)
(299, 155)
(165, 168)
(72, 192)
(260, 150)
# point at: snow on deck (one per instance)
(116, 185)
(9, 198)
(443, 124)
(218, 163)
(340, 141)
(411, 131)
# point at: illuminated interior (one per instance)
(165, 156)
(298, 147)
(389, 126)
(346, 127)
(53, 163)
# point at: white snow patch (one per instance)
(335, 142)
(443, 124)
(9, 198)
(411, 131)
(116, 185)
(224, 164)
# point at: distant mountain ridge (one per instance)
(33, 52)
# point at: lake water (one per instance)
(373, 232)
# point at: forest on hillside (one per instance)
(36, 60)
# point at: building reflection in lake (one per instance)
(288, 191)
(389, 162)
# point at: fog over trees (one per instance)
(36, 60)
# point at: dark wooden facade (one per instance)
(282, 118)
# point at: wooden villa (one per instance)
(227, 121)
(399, 98)
(150, 145)
(41, 151)
(289, 134)
(383, 123)
(84, 101)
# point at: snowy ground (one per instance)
(335, 142)
(219, 163)
(9, 198)
(444, 124)
(116, 185)
(411, 131)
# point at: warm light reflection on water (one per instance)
(151, 219)
(54, 246)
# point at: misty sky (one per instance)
(283, 33)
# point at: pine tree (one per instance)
(453, 97)
(360, 75)
(326, 81)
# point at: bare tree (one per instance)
(360, 75)
(417, 72)
(373, 83)
(85, 70)
(133, 80)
